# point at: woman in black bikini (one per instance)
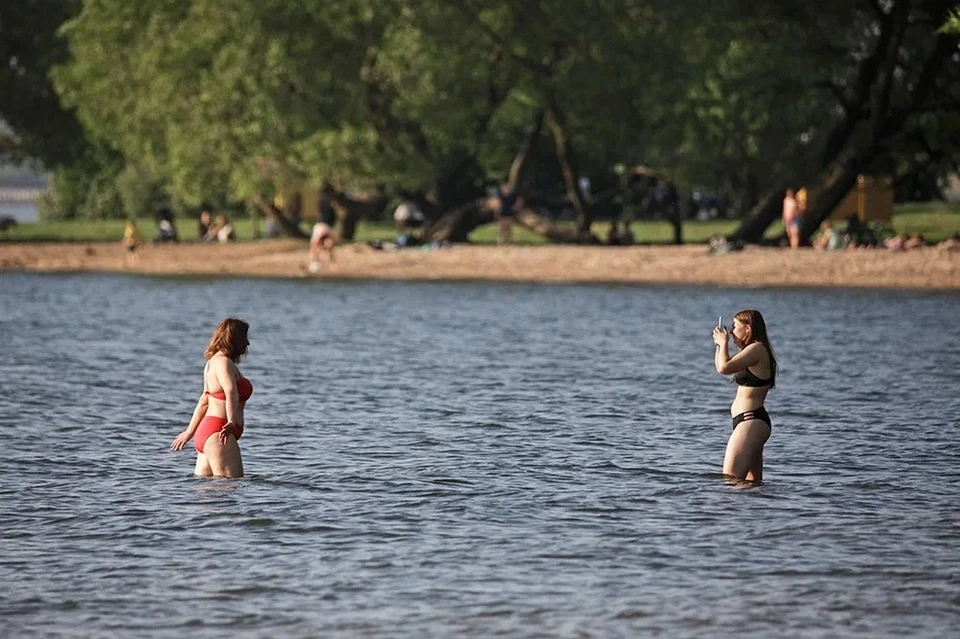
(754, 369)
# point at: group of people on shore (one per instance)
(217, 422)
(210, 229)
(856, 235)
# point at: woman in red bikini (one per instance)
(220, 408)
(754, 369)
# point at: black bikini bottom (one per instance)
(758, 413)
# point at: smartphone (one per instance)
(720, 322)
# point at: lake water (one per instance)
(20, 211)
(475, 460)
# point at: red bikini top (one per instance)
(244, 388)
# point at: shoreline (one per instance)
(919, 269)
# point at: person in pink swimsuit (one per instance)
(219, 410)
(791, 218)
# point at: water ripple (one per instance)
(474, 460)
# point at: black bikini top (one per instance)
(746, 378)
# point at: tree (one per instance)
(886, 79)
(423, 95)
(29, 47)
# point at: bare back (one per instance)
(752, 397)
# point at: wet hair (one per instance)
(230, 338)
(758, 333)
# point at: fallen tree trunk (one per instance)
(351, 210)
(553, 232)
(286, 225)
(456, 225)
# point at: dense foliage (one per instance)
(232, 100)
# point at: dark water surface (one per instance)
(475, 460)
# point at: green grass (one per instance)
(935, 220)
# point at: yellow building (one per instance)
(309, 201)
(870, 200)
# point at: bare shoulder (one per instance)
(221, 364)
(756, 353)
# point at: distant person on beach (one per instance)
(408, 215)
(802, 202)
(508, 202)
(791, 218)
(915, 241)
(221, 231)
(322, 242)
(895, 243)
(166, 232)
(166, 229)
(219, 410)
(754, 369)
(131, 241)
(203, 226)
(950, 244)
(829, 238)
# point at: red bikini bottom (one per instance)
(210, 425)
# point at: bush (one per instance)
(110, 193)
(141, 193)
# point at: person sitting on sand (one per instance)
(221, 231)
(829, 238)
(408, 215)
(914, 241)
(203, 226)
(950, 244)
(895, 243)
(165, 232)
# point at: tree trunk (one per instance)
(287, 227)
(761, 216)
(547, 229)
(456, 225)
(869, 100)
(829, 193)
(567, 158)
(882, 123)
(453, 189)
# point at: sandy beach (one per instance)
(926, 268)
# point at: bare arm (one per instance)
(726, 365)
(226, 372)
(198, 413)
(180, 440)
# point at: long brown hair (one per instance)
(758, 333)
(230, 337)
